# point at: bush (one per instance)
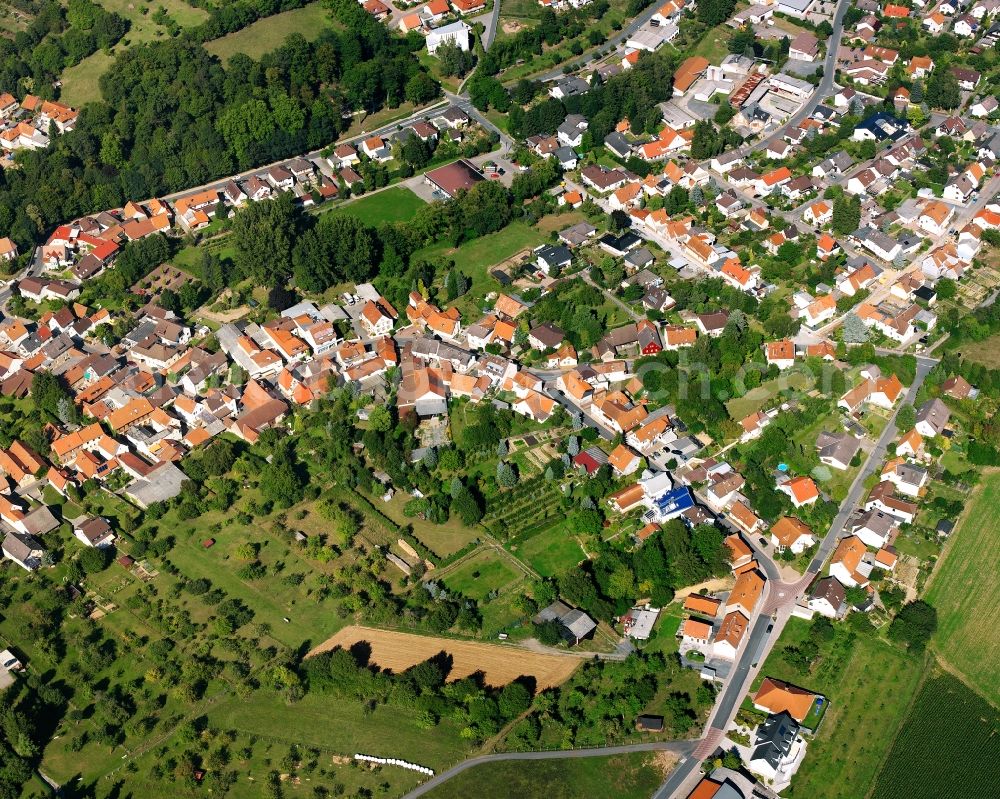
(94, 560)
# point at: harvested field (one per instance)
(499, 664)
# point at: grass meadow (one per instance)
(869, 684)
(632, 776)
(965, 589)
(397, 204)
(268, 33)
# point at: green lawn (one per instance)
(80, 83)
(483, 573)
(714, 45)
(268, 33)
(270, 598)
(343, 727)
(441, 539)
(551, 552)
(632, 776)
(965, 589)
(397, 204)
(475, 258)
(948, 745)
(254, 755)
(762, 397)
(520, 8)
(986, 352)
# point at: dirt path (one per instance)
(715, 584)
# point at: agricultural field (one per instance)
(949, 745)
(268, 33)
(869, 685)
(499, 664)
(534, 505)
(631, 776)
(486, 571)
(965, 589)
(397, 204)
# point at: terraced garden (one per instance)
(533, 506)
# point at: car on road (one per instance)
(762, 542)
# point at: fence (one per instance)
(391, 761)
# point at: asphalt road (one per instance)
(424, 113)
(682, 748)
(609, 45)
(826, 547)
(490, 25)
(726, 704)
(825, 84)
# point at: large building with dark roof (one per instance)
(452, 178)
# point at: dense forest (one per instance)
(174, 117)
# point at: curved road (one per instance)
(681, 748)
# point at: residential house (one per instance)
(932, 418)
(874, 527)
(828, 598)
(837, 450)
(848, 564)
(780, 353)
(24, 550)
(801, 490)
(791, 534)
(94, 532)
(777, 696)
(776, 747)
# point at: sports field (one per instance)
(499, 664)
(965, 589)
